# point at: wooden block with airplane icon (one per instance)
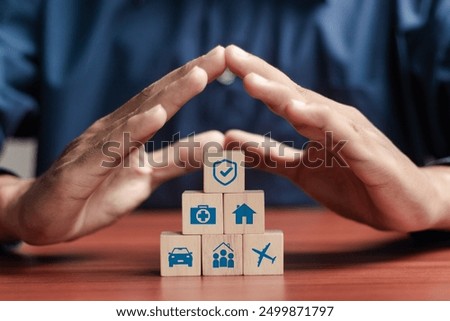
(202, 213)
(222, 254)
(263, 253)
(224, 172)
(180, 255)
(244, 212)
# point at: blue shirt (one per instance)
(64, 64)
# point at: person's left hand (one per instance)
(349, 165)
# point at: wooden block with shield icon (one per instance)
(224, 171)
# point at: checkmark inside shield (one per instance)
(226, 172)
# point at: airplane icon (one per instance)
(262, 254)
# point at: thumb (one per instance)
(265, 153)
(183, 157)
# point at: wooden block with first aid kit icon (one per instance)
(202, 213)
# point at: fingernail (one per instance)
(212, 51)
(297, 105)
(240, 53)
(154, 109)
(193, 71)
(258, 78)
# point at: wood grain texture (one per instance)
(326, 258)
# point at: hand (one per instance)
(368, 179)
(79, 194)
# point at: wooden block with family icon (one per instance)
(223, 226)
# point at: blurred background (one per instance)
(19, 156)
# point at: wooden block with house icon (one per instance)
(180, 255)
(263, 253)
(244, 212)
(224, 171)
(222, 254)
(202, 213)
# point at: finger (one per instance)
(314, 120)
(265, 153)
(86, 163)
(243, 63)
(280, 99)
(178, 93)
(141, 126)
(310, 119)
(274, 94)
(213, 64)
(184, 156)
(107, 150)
(127, 187)
(352, 141)
(344, 125)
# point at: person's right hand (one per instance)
(78, 194)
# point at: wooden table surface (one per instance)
(326, 258)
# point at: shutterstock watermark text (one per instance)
(190, 153)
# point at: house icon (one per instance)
(244, 211)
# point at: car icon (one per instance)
(180, 256)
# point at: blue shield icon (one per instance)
(225, 171)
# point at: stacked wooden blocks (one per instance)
(223, 227)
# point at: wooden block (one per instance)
(202, 213)
(264, 253)
(222, 254)
(244, 212)
(180, 254)
(224, 171)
